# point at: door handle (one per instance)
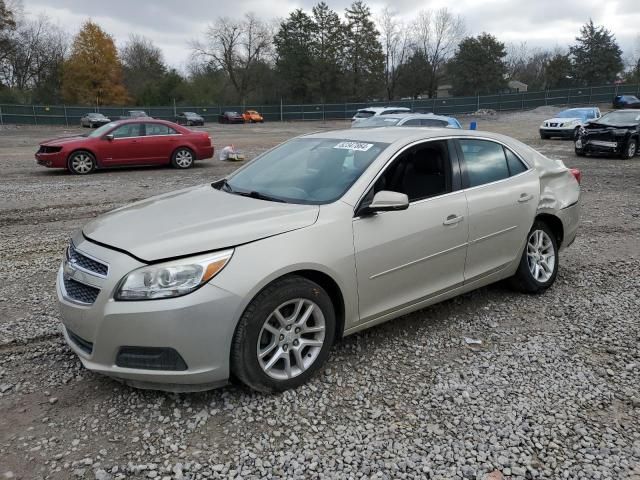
(525, 197)
(452, 219)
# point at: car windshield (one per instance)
(305, 170)
(575, 113)
(364, 114)
(620, 118)
(234, 114)
(98, 132)
(377, 122)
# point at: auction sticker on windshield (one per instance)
(361, 147)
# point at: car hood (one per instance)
(62, 140)
(563, 120)
(195, 220)
(605, 126)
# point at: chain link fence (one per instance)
(70, 115)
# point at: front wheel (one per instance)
(538, 266)
(630, 149)
(284, 335)
(182, 158)
(81, 163)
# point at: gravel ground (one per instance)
(551, 392)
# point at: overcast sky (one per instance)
(171, 24)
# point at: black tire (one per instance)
(630, 149)
(81, 162)
(576, 133)
(579, 152)
(244, 359)
(524, 280)
(183, 158)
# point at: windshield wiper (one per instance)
(259, 196)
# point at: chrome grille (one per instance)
(79, 291)
(84, 262)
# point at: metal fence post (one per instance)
(35, 118)
(546, 93)
(281, 117)
(66, 120)
(590, 93)
(478, 108)
(522, 101)
(1, 118)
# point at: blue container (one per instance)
(473, 126)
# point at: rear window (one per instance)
(433, 122)
(364, 114)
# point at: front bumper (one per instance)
(198, 326)
(599, 146)
(558, 132)
(51, 160)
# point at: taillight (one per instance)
(577, 174)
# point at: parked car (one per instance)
(189, 118)
(251, 116)
(567, 123)
(255, 275)
(126, 143)
(616, 132)
(135, 114)
(408, 120)
(230, 117)
(365, 113)
(93, 120)
(626, 101)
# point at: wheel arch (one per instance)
(184, 145)
(555, 224)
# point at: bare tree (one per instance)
(396, 46)
(236, 47)
(38, 49)
(437, 34)
(527, 64)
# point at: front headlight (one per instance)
(171, 279)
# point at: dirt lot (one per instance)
(552, 392)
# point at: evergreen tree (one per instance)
(478, 66)
(327, 47)
(414, 76)
(597, 58)
(294, 61)
(363, 53)
(558, 72)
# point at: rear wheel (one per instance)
(81, 163)
(538, 266)
(579, 152)
(630, 149)
(182, 158)
(284, 335)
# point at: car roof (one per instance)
(402, 116)
(382, 109)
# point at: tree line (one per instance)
(308, 57)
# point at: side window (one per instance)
(484, 160)
(433, 122)
(158, 129)
(515, 164)
(127, 130)
(421, 172)
(414, 122)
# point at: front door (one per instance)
(126, 147)
(502, 193)
(404, 257)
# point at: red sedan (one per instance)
(127, 142)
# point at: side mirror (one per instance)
(109, 137)
(386, 201)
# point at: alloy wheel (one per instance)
(184, 158)
(541, 256)
(81, 163)
(291, 339)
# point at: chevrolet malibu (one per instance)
(255, 276)
(127, 143)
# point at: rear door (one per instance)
(502, 193)
(159, 142)
(126, 147)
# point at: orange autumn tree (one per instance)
(93, 72)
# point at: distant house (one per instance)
(515, 86)
(444, 91)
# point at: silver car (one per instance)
(256, 275)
